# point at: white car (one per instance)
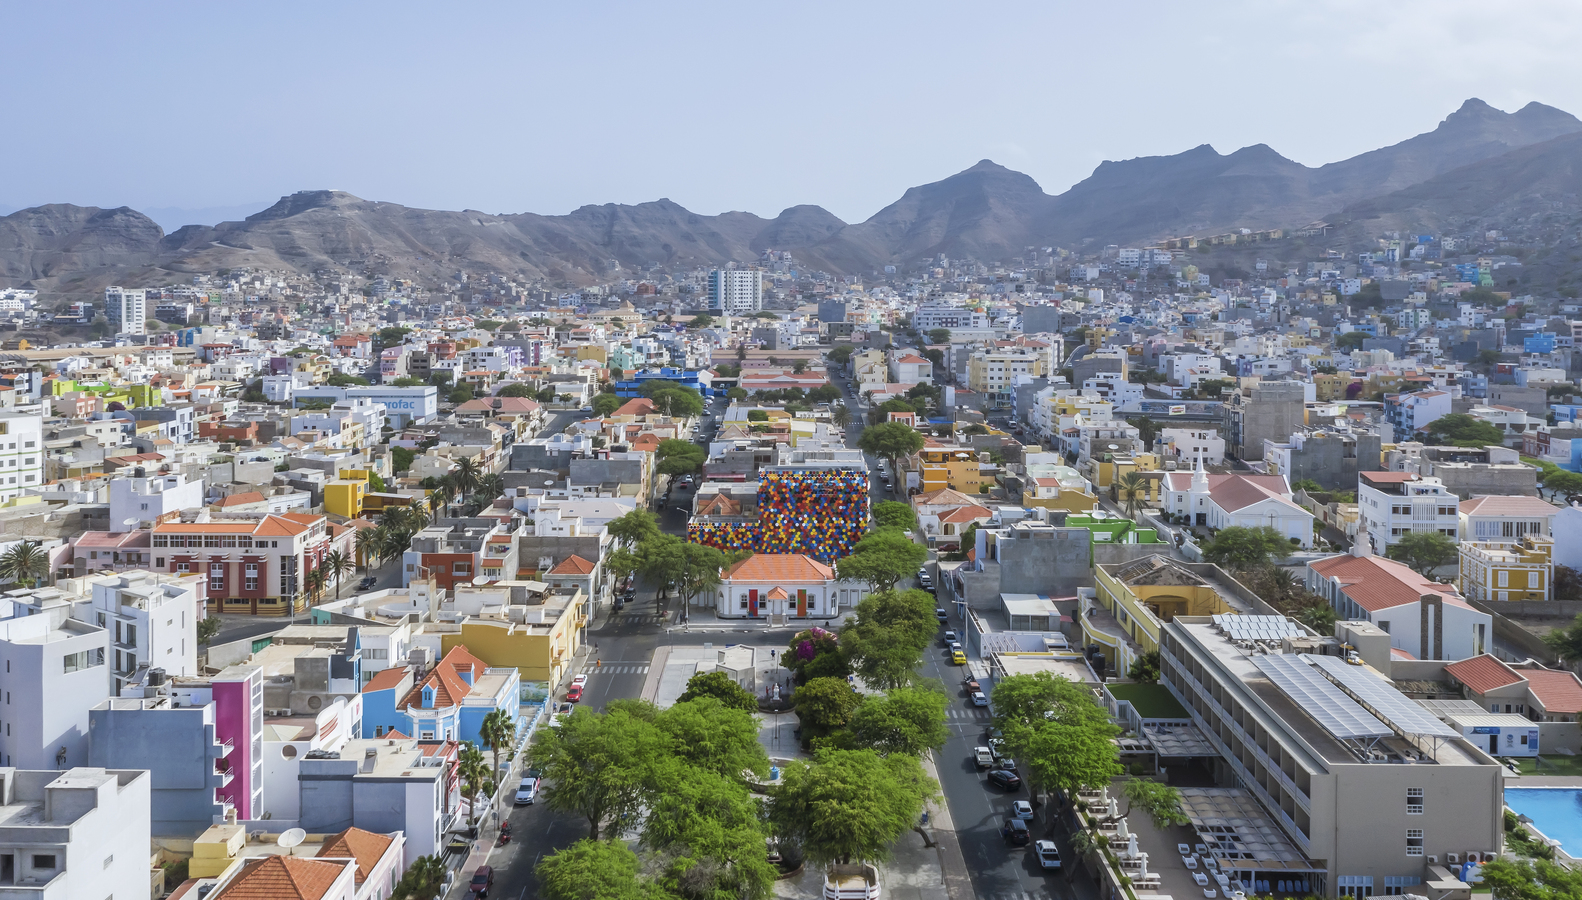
(1048, 854)
(527, 791)
(1021, 809)
(580, 679)
(978, 699)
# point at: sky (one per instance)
(201, 111)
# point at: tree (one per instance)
(909, 720)
(891, 630)
(634, 527)
(824, 393)
(736, 393)
(890, 514)
(401, 459)
(841, 354)
(939, 335)
(338, 566)
(849, 804)
(26, 561)
(709, 837)
(1160, 801)
(498, 733)
(460, 395)
(1145, 668)
(824, 706)
(1240, 547)
(841, 416)
(1055, 727)
(368, 542)
(407, 381)
(342, 380)
(719, 686)
(422, 880)
(709, 735)
(679, 457)
(208, 628)
(1147, 429)
(1539, 879)
(1567, 584)
(1462, 430)
(1351, 340)
(882, 558)
(1308, 485)
(1424, 551)
(590, 870)
(1561, 483)
(597, 765)
(1132, 490)
(798, 366)
(467, 475)
(815, 653)
(701, 320)
(516, 390)
(314, 582)
(477, 780)
(891, 440)
(605, 404)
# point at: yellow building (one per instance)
(956, 467)
(992, 372)
(540, 649)
(1494, 571)
(596, 352)
(1132, 601)
(1058, 487)
(1106, 471)
(344, 497)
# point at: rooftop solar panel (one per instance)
(1383, 697)
(1339, 715)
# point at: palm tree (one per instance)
(1083, 842)
(1133, 491)
(491, 486)
(394, 542)
(841, 416)
(476, 779)
(337, 565)
(26, 561)
(367, 546)
(498, 731)
(422, 879)
(467, 475)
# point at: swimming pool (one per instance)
(1557, 812)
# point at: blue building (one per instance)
(1542, 342)
(700, 381)
(448, 702)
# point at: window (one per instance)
(1396, 885)
(1414, 801)
(1532, 579)
(1504, 578)
(250, 576)
(183, 568)
(43, 860)
(216, 576)
(1354, 885)
(1414, 842)
(159, 562)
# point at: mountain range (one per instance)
(1479, 164)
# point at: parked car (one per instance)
(1021, 809)
(482, 881)
(1015, 832)
(580, 679)
(983, 757)
(367, 582)
(1005, 779)
(950, 638)
(971, 684)
(940, 614)
(527, 791)
(1048, 854)
(957, 658)
(955, 647)
(574, 693)
(978, 699)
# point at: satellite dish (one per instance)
(133, 521)
(480, 579)
(290, 838)
(1115, 447)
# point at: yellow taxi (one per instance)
(958, 658)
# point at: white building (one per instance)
(735, 292)
(1424, 618)
(54, 672)
(152, 619)
(1244, 501)
(1188, 445)
(783, 584)
(21, 451)
(147, 497)
(1497, 518)
(279, 388)
(79, 833)
(126, 309)
(1391, 504)
(930, 316)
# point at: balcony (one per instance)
(221, 775)
(221, 748)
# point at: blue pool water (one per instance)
(1557, 812)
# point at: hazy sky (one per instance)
(528, 107)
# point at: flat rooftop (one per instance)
(1238, 661)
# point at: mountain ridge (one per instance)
(986, 211)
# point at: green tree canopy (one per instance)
(719, 686)
(1056, 729)
(679, 457)
(707, 734)
(1351, 340)
(635, 527)
(401, 458)
(460, 394)
(824, 393)
(1307, 484)
(939, 335)
(1561, 483)
(757, 415)
(815, 653)
(817, 806)
(1462, 430)
(891, 440)
(824, 706)
(517, 390)
(672, 398)
(1538, 879)
(1239, 547)
(882, 558)
(1160, 801)
(701, 320)
(590, 869)
(341, 380)
(1424, 551)
(909, 720)
(597, 765)
(841, 354)
(891, 630)
(708, 838)
(890, 514)
(407, 381)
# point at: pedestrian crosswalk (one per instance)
(644, 620)
(618, 669)
(1018, 895)
(968, 713)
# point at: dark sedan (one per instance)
(1005, 779)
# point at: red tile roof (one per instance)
(1375, 583)
(1556, 691)
(572, 565)
(282, 878)
(780, 567)
(449, 687)
(354, 843)
(1507, 506)
(385, 679)
(1482, 674)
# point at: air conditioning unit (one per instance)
(1454, 857)
(1433, 860)
(1472, 856)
